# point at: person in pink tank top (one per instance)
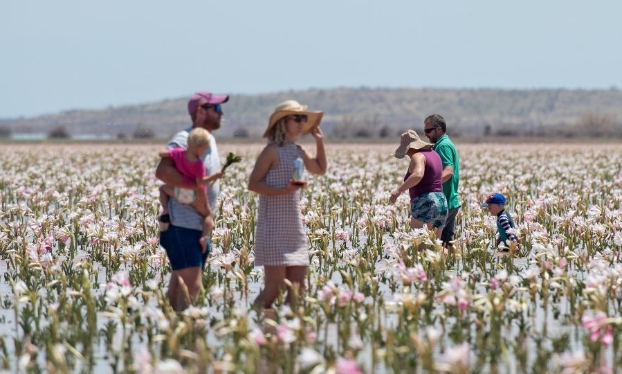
(428, 205)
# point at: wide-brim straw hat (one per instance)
(410, 140)
(290, 107)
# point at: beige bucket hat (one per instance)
(289, 107)
(410, 140)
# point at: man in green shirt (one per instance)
(435, 130)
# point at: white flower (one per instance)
(151, 284)
(20, 288)
(455, 359)
(194, 312)
(502, 275)
(285, 334)
(309, 358)
(142, 363)
(571, 363)
(24, 360)
(217, 292)
(169, 366)
(433, 334)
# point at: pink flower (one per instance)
(563, 262)
(327, 292)
(593, 322)
(420, 273)
(257, 336)
(347, 366)
(344, 297)
(494, 283)
(598, 328)
(358, 297)
(416, 273)
(608, 336)
(285, 335)
(311, 336)
(44, 248)
(463, 304)
(62, 235)
(45, 244)
(341, 234)
(121, 278)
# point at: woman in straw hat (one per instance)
(428, 205)
(280, 240)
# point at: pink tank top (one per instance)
(432, 176)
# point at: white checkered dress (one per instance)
(280, 238)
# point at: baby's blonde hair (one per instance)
(198, 137)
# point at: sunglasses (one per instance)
(300, 118)
(427, 131)
(217, 107)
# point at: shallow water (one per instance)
(358, 191)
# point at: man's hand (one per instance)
(209, 218)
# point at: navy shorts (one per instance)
(183, 248)
(430, 207)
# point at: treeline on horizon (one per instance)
(361, 113)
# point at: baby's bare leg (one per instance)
(200, 204)
(164, 219)
(166, 191)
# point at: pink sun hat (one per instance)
(210, 98)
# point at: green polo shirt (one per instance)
(449, 156)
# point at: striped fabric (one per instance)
(505, 223)
(280, 238)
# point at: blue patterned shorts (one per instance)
(430, 207)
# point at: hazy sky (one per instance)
(61, 55)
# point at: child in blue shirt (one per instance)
(496, 206)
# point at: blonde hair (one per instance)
(278, 132)
(198, 137)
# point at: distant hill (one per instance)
(363, 112)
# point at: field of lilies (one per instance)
(82, 278)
